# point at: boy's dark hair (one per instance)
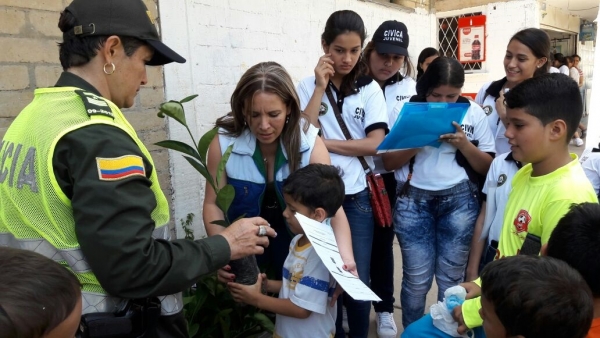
(317, 186)
(341, 22)
(36, 293)
(539, 43)
(577, 56)
(442, 71)
(576, 241)
(78, 51)
(538, 297)
(549, 97)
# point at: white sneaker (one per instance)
(578, 142)
(386, 327)
(345, 324)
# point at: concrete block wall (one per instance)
(222, 39)
(29, 59)
(503, 20)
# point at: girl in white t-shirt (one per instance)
(437, 206)
(385, 57)
(526, 56)
(360, 100)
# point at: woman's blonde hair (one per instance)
(266, 77)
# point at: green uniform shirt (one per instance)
(113, 222)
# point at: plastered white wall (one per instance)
(223, 38)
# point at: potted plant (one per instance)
(209, 293)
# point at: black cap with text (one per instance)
(120, 17)
(391, 37)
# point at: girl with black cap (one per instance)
(386, 55)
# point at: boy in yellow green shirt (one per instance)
(543, 113)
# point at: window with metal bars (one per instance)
(448, 39)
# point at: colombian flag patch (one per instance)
(113, 169)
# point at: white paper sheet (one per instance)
(323, 240)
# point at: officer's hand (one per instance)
(243, 237)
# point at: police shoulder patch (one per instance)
(118, 168)
(94, 104)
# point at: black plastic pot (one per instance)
(245, 270)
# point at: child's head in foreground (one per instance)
(543, 113)
(38, 297)
(315, 191)
(534, 297)
(576, 241)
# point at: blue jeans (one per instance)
(360, 216)
(434, 229)
(424, 328)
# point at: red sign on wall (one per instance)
(471, 39)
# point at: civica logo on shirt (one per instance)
(359, 114)
(402, 97)
(393, 35)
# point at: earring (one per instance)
(287, 119)
(112, 69)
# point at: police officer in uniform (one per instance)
(78, 186)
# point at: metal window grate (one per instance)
(448, 39)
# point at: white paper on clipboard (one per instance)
(323, 240)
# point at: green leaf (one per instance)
(180, 147)
(225, 198)
(187, 300)
(200, 168)
(173, 109)
(239, 217)
(220, 222)
(193, 329)
(224, 313)
(205, 142)
(223, 162)
(188, 99)
(264, 321)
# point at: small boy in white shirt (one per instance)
(315, 191)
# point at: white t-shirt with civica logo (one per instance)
(497, 187)
(363, 112)
(488, 103)
(395, 91)
(436, 168)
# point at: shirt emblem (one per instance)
(501, 179)
(323, 109)
(521, 222)
(488, 110)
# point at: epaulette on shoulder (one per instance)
(94, 104)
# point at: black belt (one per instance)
(134, 318)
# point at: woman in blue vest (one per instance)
(270, 140)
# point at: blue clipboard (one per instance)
(420, 124)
